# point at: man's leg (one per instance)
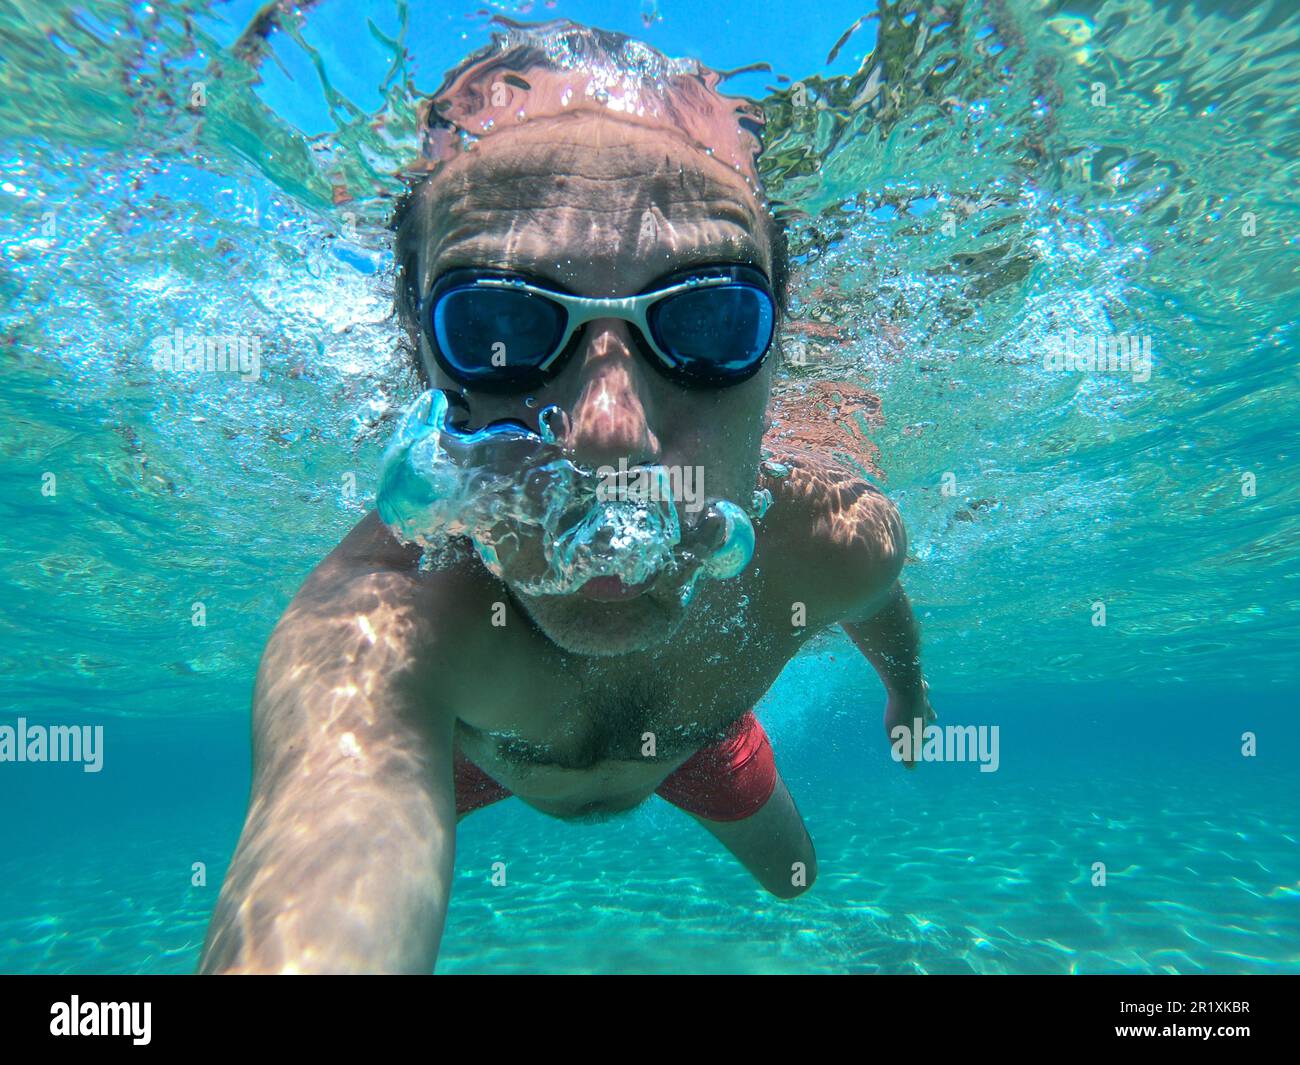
(772, 844)
(734, 790)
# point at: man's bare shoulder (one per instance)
(828, 504)
(371, 563)
(832, 534)
(370, 592)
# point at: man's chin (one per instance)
(589, 626)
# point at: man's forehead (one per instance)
(581, 195)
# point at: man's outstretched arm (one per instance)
(345, 860)
(851, 547)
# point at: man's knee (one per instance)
(802, 876)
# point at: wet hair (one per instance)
(681, 92)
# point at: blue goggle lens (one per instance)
(493, 335)
(716, 333)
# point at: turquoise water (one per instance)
(956, 200)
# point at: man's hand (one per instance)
(906, 712)
(891, 643)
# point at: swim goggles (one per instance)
(502, 332)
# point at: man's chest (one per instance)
(537, 707)
(619, 710)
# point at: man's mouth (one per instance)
(613, 589)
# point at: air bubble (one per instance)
(538, 519)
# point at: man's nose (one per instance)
(610, 418)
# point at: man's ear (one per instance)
(421, 367)
(408, 300)
(409, 282)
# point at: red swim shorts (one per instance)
(726, 782)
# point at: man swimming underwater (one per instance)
(395, 697)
